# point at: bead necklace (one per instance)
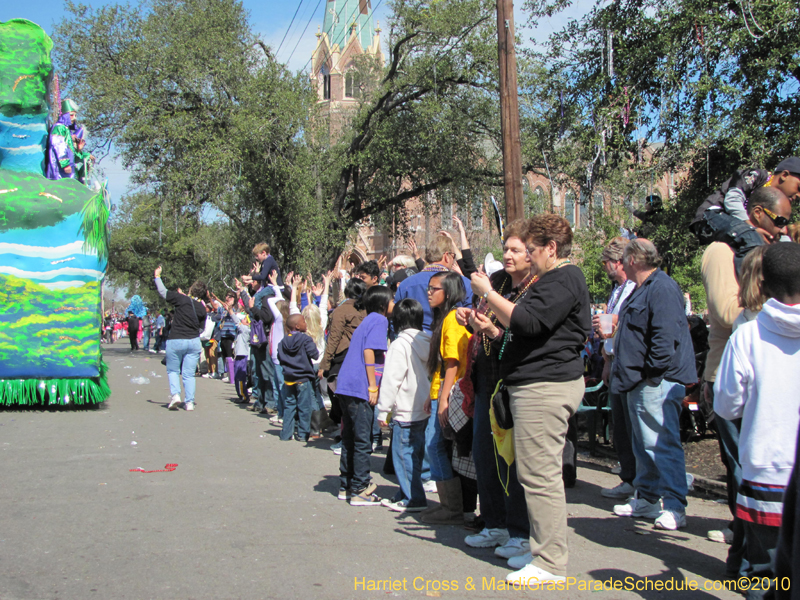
(492, 317)
(566, 261)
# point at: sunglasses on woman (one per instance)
(780, 222)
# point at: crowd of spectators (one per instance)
(478, 372)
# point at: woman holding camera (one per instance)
(542, 369)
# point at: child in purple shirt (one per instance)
(357, 389)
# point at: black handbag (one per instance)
(501, 405)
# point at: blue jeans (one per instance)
(263, 373)
(298, 398)
(182, 359)
(146, 339)
(278, 402)
(500, 510)
(251, 366)
(436, 446)
(655, 435)
(354, 467)
(408, 449)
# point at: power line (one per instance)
(289, 28)
(304, 31)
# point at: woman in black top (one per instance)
(183, 344)
(542, 368)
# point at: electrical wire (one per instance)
(289, 28)
(304, 31)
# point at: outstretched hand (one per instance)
(158, 271)
(273, 277)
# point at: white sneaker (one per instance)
(639, 507)
(275, 420)
(488, 538)
(403, 507)
(174, 401)
(722, 536)
(520, 561)
(623, 490)
(225, 379)
(206, 376)
(513, 547)
(190, 406)
(671, 520)
(532, 576)
(337, 448)
(430, 487)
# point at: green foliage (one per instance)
(430, 121)
(210, 126)
(715, 85)
(95, 225)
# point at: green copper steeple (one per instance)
(341, 16)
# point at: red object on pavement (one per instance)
(166, 469)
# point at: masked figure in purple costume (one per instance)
(62, 154)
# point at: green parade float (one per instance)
(53, 238)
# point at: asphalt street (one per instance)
(244, 515)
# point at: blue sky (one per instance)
(271, 20)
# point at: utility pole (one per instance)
(509, 111)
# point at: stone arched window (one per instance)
(569, 208)
(534, 199)
(325, 79)
(583, 210)
(598, 203)
(352, 84)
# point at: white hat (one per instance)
(490, 265)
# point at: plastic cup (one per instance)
(606, 324)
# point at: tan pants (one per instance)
(540, 412)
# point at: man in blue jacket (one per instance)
(654, 362)
(441, 256)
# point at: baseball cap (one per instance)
(791, 164)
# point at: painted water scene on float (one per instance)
(53, 236)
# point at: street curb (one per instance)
(702, 484)
(709, 486)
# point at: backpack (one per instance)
(258, 337)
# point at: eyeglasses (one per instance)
(779, 221)
(432, 289)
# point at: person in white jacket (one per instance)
(403, 392)
(758, 381)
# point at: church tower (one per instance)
(347, 32)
